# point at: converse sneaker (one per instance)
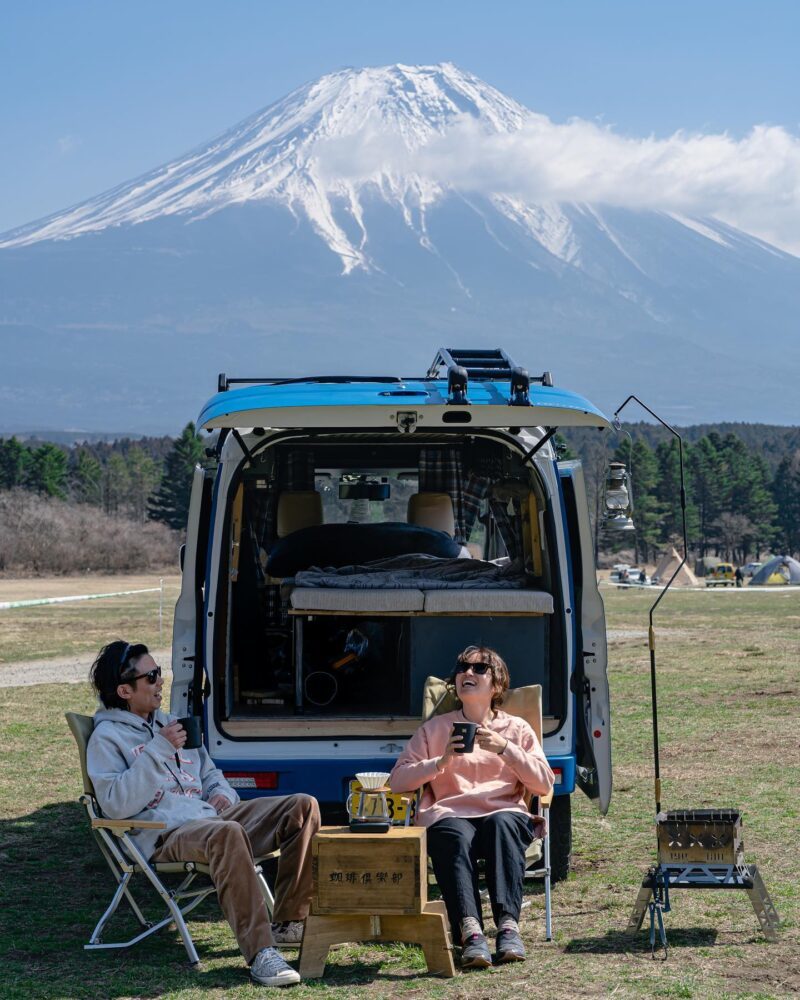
(269, 969)
(288, 932)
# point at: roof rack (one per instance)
(464, 364)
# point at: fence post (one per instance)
(161, 611)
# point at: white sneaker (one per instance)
(289, 932)
(269, 969)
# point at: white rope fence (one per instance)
(36, 601)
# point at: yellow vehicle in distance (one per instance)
(722, 575)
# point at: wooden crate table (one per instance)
(373, 887)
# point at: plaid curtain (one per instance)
(440, 472)
(509, 523)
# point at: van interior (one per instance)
(358, 565)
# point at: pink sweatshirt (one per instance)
(477, 783)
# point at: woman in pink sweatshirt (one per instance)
(474, 803)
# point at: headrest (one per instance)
(432, 510)
(298, 509)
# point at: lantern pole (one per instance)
(651, 632)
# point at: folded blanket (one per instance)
(421, 571)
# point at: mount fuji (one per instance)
(323, 234)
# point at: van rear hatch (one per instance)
(379, 404)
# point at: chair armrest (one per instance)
(545, 801)
(127, 824)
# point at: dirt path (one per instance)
(65, 670)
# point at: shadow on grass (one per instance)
(616, 942)
(54, 888)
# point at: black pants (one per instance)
(454, 847)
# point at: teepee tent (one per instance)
(669, 563)
(778, 572)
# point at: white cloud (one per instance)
(66, 144)
(752, 182)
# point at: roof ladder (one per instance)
(485, 364)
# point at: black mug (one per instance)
(467, 731)
(193, 724)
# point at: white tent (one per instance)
(669, 563)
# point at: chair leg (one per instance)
(548, 925)
(266, 892)
(122, 889)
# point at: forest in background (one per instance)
(122, 505)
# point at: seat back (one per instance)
(298, 509)
(432, 510)
(524, 702)
(82, 727)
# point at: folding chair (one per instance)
(126, 861)
(525, 702)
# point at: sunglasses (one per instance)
(479, 667)
(151, 675)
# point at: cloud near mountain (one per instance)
(751, 183)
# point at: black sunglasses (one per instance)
(478, 667)
(151, 675)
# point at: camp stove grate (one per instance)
(707, 836)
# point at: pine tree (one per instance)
(171, 502)
(143, 477)
(86, 477)
(46, 473)
(786, 492)
(15, 458)
(643, 470)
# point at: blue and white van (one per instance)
(356, 534)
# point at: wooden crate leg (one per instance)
(430, 932)
(321, 932)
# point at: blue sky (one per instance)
(96, 93)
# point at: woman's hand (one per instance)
(488, 739)
(456, 742)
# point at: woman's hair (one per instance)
(113, 662)
(499, 671)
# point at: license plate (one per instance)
(398, 808)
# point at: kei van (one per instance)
(354, 535)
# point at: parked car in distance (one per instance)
(722, 575)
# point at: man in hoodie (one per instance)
(141, 770)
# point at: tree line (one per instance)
(740, 502)
(148, 479)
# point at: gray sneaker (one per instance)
(288, 932)
(475, 954)
(509, 946)
(269, 969)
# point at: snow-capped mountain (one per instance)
(324, 227)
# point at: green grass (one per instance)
(728, 687)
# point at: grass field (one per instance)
(729, 684)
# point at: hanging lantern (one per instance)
(619, 498)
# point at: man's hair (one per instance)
(112, 663)
(499, 671)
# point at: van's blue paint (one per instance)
(425, 393)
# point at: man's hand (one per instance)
(175, 733)
(488, 739)
(219, 802)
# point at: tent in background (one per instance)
(780, 572)
(669, 563)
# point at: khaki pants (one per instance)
(228, 844)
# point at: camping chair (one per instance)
(126, 860)
(525, 702)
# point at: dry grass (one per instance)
(729, 681)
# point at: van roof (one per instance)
(374, 402)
